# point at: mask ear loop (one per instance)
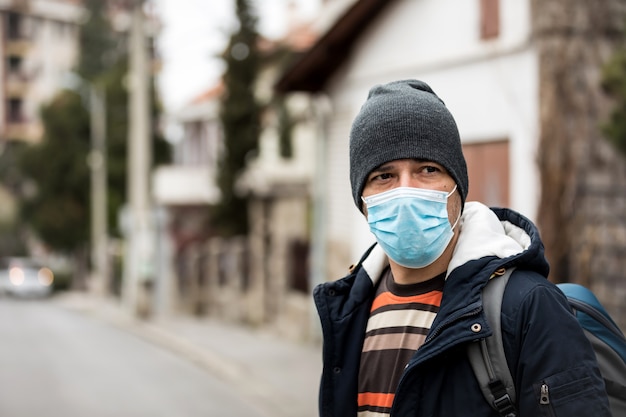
(457, 220)
(460, 211)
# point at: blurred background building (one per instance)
(39, 46)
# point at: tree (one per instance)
(59, 209)
(583, 179)
(240, 119)
(12, 240)
(614, 84)
(100, 46)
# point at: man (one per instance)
(396, 329)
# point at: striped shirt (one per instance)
(400, 318)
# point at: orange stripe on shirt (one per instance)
(432, 298)
(375, 399)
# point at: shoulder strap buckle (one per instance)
(487, 355)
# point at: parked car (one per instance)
(25, 277)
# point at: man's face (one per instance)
(413, 173)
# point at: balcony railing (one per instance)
(19, 46)
(17, 83)
(23, 130)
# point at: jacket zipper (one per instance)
(544, 398)
(434, 333)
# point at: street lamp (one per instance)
(97, 163)
(98, 166)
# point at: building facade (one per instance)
(39, 47)
(183, 191)
(261, 278)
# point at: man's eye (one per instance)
(383, 176)
(430, 169)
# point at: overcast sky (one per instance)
(195, 31)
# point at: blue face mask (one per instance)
(411, 224)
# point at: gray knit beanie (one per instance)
(404, 119)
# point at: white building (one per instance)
(476, 55)
(262, 277)
(184, 190)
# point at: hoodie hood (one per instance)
(498, 233)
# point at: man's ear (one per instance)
(363, 208)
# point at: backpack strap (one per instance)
(487, 355)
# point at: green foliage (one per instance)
(58, 210)
(285, 127)
(240, 119)
(614, 84)
(12, 187)
(99, 46)
(62, 281)
(116, 141)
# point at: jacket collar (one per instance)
(483, 234)
(375, 263)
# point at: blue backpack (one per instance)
(490, 366)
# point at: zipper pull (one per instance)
(544, 398)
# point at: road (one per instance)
(58, 363)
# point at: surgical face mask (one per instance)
(411, 224)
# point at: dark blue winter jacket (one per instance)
(544, 344)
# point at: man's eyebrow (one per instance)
(391, 164)
(383, 167)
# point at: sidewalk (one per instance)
(277, 376)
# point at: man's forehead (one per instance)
(390, 164)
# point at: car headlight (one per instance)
(45, 276)
(16, 276)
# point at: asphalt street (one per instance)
(60, 362)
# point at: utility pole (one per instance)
(98, 166)
(139, 263)
(93, 98)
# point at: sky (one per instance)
(194, 32)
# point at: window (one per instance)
(298, 266)
(13, 25)
(488, 171)
(489, 19)
(14, 64)
(15, 111)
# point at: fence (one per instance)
(226, 279)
